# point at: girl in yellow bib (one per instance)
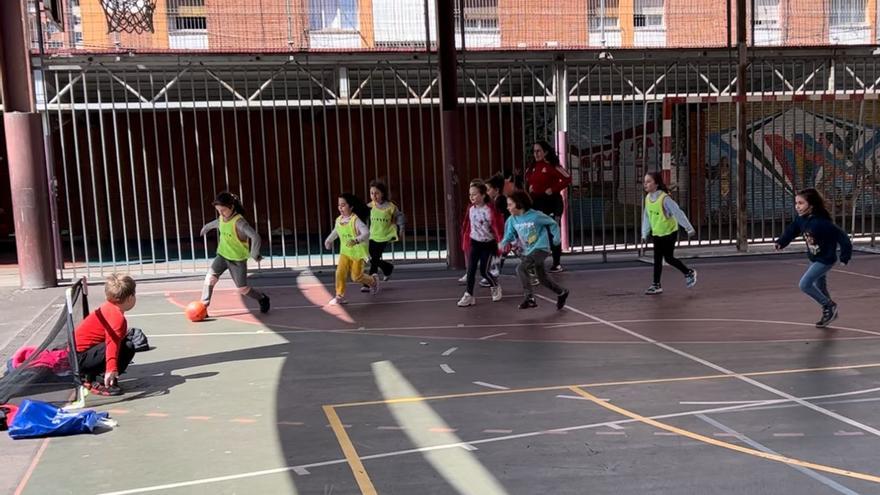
(661, 219)
(386, 223)
(353, 235)
(233, 251)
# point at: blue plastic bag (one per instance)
(39, 419)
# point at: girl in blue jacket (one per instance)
(822, 237)
(531, 228)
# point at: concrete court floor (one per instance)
(724, 388)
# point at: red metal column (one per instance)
(450, 135)
(24, 141)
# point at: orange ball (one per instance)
(196, 311)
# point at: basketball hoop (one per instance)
(131, 16)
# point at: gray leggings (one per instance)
(238, 272)
(534, 263)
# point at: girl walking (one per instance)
(353, 235)
(661, 219)
(481, 229)
(822, 237)
(233, 250)
(534, 230)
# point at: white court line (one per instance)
(815, 397)
(809, 472)
(487, 337)
(772, 404)
(301, 471)
(196, 278)
(728, 372)
(491, 385)
(270, 287)
(302, 306)
(615, 427)
(739, 320)
(446, 368)
(804, 265)
(449, 351)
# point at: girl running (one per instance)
(661, 219)
(353, 235)
(822, 237)
(481, 229)
(232, 250)
(386, 223)
(534, 230)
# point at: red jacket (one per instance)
(106, 324)
(542, 176)
(497, 227)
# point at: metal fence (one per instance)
(141, 145)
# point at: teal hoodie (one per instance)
(531, 229)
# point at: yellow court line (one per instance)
(719, 443)
(351, 455)
(602, 384)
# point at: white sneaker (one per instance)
(338, 300)
(374, 289)
(496, 293)
(467, 300)
(484, 283)
(463, 279)
(534, 281)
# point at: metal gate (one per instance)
(142, 144)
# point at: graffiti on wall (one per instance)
(795, 149)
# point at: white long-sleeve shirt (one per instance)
(670, 208)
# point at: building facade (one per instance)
(297, 25)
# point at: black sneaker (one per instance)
(365, 288)
(560, 299)
(528, 302)
(829, 314)
(264, 304)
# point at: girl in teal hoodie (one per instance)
(530, 226)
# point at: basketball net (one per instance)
(131, 16)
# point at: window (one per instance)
(766, 13)
(604, 12)
(847, 12)
(479, 15)
(190, 24)
(333, 15)
(187, 15)
(648, 14)
(78, 37)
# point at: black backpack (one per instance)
(137, 340)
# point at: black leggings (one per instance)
(481, 253)
(92, 361)
(376, 261)
(664, 249)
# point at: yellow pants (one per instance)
(355, 268)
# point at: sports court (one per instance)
(707, 390)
